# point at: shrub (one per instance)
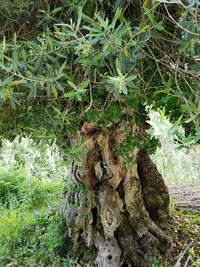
(10, 185)
(40, 160)
(32, 232)
(38, 237)
(18, 189)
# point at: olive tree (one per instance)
(82, 74)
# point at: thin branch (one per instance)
(197, 34)
(91, 100)
(158, 67)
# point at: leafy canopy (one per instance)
(68, 61)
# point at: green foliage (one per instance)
(17, 188)
(10, 183)
(96, 59)
(193, 217)
(36, 238)
(32, 231)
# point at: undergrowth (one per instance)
(185, 233)
(32, 232)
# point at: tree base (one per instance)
(120, 213)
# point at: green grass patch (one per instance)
(32, 232)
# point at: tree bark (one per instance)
(120, 213)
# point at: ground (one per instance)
(185, 228)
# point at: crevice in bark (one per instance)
(120, 190)
(94, 215)
(121, 212)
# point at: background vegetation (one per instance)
(177, 161)
(32, 232)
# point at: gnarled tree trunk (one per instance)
(121, 213)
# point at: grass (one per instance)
(32, 232)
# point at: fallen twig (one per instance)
(187, 261)
(181, 255)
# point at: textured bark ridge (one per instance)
(120, 213)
